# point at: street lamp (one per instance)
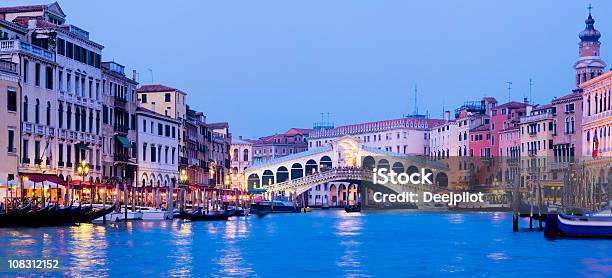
(83, 170)
(183, 176)
(227, 181)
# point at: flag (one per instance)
(595, 145)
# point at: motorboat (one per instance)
(596, 225)
(275, 206)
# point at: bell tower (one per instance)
(589, 64)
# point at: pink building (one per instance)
(503, 117)
(566, 128)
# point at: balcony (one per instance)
(537, 118)
(120, 102)
(60, 164)
(596, 117)
(12, 150)
(8, 66)
(121, 128)
(183, 160)
(7, 46)
(121, 157)
(532, 152)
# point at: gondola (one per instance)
(203, 216)
(95, 214)
(10, 218)
(353, 208)
(236, 212)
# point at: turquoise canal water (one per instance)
(318, 244)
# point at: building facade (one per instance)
(10, 126)
(158, 155)
(119, 150)
(408, 136)
(241, 155)
(279, 145)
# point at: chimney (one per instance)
(525, 100)
(240, 137)
(134, 74)
(447, 115)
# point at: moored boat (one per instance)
(353, 208)
(204, 216)
(564, 225)
(275, 206)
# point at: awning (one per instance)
(257, 190)
(83, 147)
(124, 141)
(43, 177)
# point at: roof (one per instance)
(258, 164)
(238, 141)
(414, 123)
(511, 105)
(218, 125)
(19, 9)
(568, 98)
(482, 127)
(53, 7)
(295, 130)
(155, 88)
(155, 114)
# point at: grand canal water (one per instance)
(318, 244)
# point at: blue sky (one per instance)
(266, 66)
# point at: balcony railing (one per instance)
(17, 45)
(8, 66)
(121, 128)
(121, 157)
(535, 118)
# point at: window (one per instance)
(144, 152)
(143, 98)
(68, 82)
(153, 153)
(60, 153)
(48, 113)
(160, 129)
(69, 50)
(11, 100)
(25, 70)
(167, 133)
(37, 112)
(37, 74)
(11, 141)
(167, 97)
(61, 47)
(49, 78)
(60, 115)
(144, 125)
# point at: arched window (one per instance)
(25, 109)
(60, 115)
(48, 113)
(37, 112)
(235, 155)
(69, 116)
(245, 156)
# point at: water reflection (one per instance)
(181, 254)
(231, 261)
(348, 228)
(86, 247)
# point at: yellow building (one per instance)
(10, 127)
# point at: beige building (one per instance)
(241, 156)
(10, 127)
(536, 131)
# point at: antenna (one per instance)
(530, 88)
(416, 108)
(151, 72)
(509, 88)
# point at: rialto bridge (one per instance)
(335, 174)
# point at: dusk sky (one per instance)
(266, 66)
